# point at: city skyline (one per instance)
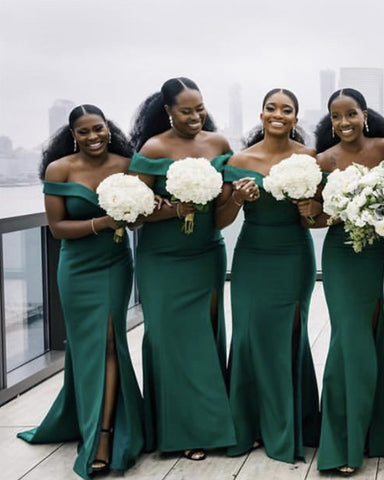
(370, 81)
(116, 53)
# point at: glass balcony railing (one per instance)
(32, 332)
(26, 328)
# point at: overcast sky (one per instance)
(114, 53)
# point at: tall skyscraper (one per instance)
(327, 87)
(369, 81)
(235, 110)
(58, 114)
(234, 131)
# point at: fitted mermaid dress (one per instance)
(272, 386)
(94, 280)
(185, 398)
(353, 383)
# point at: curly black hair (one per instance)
(151, 118)
(324, 136)
(61, 143)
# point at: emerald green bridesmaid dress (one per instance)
(272, 386)
(185, 399)
(94, 279)
(353, 383)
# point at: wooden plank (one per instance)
(260, 467)
(58, 465)
(151, 466)
(18, 457)
(216, 466)
(368, 471)
(29, 409)
(380, 469)
(318, 313)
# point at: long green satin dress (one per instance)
(185, 399)
(273, 391)
(353, 383)
(94, 279)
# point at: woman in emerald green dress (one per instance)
(180, 281)
(272, 383)
(100, 404)
(353, 385)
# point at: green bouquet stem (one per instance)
(118, 235)
(189, 219)
(189, 223)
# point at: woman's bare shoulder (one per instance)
(58, 170)
(327, 159)
(155, 147)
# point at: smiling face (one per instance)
(91, 133)
(188, 113)
(347, 118)
(279, 115)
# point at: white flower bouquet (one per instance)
(356, 197)
(294, 178)
(124, 198)
(193, 180)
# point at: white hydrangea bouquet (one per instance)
(124, 198)
(356, 197)
(193, 180)
(294, 178)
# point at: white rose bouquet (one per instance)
(193, 180)
(294, 178)
(124, 198)
(356, 197)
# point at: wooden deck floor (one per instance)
(19, 460)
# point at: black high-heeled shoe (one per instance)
(99, 465)
(345, 471)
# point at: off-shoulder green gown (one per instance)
(273, 391)
(185, 398)
(94, 279)
(353, 383)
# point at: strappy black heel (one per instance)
(99, 465)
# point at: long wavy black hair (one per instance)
(326, 139)
(151, 118)
(61, 143)
(257, 133)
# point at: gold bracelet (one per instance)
(234, 200)
(93, 227)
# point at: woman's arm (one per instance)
(59, 224)
(232, 198)
(311, 210)
(165, 209)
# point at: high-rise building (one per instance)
(234, 131)
(6, 147)
(58, 114)
(369, 81)
(235, 110)
(327, 87)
